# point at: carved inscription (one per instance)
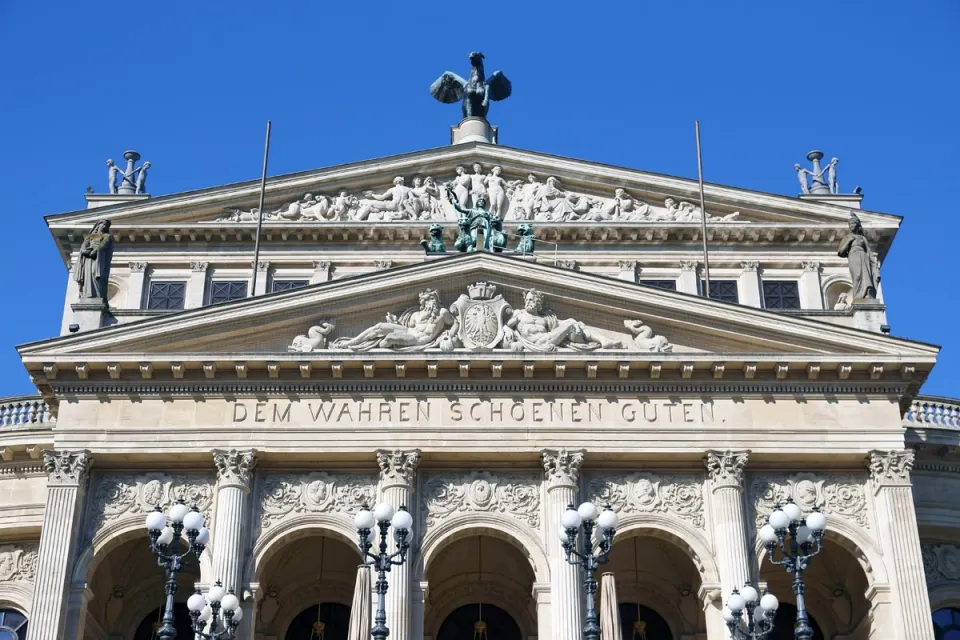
(514, 494)
(527, 411)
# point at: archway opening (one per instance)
(13, 625)
(946, 624)
(480, 579)
(310, 578)
(657, 584)
(128, 591)
(835, 597)
(479, 622)
(325, 621)
(182, 622)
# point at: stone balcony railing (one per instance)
(933, 412)
(25, 411)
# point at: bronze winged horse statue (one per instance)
(475, 93)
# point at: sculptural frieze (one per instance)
(92, 270)
(18, 562)
(283, 495)
(517, 495)
(482, 320)
(476, 92)
(941, 562)
(647, 492)
(839, 495)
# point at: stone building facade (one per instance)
(486, 391)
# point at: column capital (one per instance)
(689, 265)
(398, 468)
(725, 468)
(811, 265)
(750, 266)
(234, 467)
(198, 266)
(67, 468)
(137, 267)
(890, 467)
(562, 466)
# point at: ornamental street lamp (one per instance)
(754, 627)
(166, 533)
(382, 517)
(208, 610)
(798, 540)
(576, 536)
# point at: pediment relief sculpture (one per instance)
(482, 320)
(530, 199)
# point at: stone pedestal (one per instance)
(66, 486)
(561, 473)
(869, 315)
(95, 200)
(900, 540)
(473, 130)
(398, 474)
(234, 475)
(90, 313)
(849, 200)
(725, 476)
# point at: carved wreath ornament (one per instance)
(514, 494)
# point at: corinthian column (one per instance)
(561, 473)
(68, 473)
(234, 474)
(900, 540)
(398, 476)
(725, 475)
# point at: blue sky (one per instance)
(191, 84)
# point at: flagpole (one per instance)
(263, 190)
(703, 216)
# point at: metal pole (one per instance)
(703, 216)
(263, 189)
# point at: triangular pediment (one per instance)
(687, 331)
(585, 193)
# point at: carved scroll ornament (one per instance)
(841, 496)
(18, 562)
(283, 495)
(645, 492)
(515, 494)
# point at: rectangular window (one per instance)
(287, 285)
(781, 295)
(722, 290)
(225, 291)
(166, 295)
(666, 285)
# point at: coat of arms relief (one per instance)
(483, 320)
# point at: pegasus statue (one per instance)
(475, 93)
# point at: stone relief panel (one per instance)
(647, 492)
(841, 496)
(514, 494)
(118, 495)
(941, 562)
(424, 198)
(284, 495)
(18, 562)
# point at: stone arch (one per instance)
(945, 595)
(851, 539)
(306, 593)
(680, 534)
(111, 536)
(461, 594)
(269, 542)
(16, 595)
(489, 524)
(832, 287)
(655, 599)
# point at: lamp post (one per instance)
(208, 610)
(166, 533)
(798, 539)
(576, 536)
(754, 627)
(382, 517)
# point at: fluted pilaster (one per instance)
(234, 475)
(68, 474)
(398, 476)
(561, 475)
(725, 475)
(890, 476)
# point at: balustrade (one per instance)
(934, 412)
(24, 410)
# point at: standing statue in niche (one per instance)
(475, 93)
(856, 250)
(93, 267)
